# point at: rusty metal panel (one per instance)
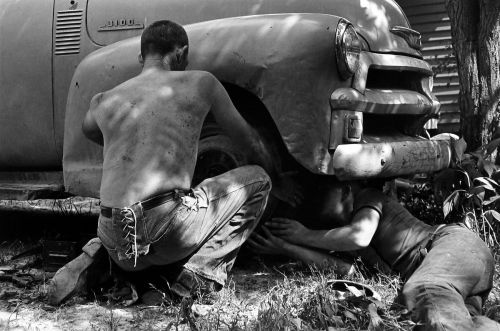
(26, 116)
(431, 19)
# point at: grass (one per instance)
(300, 299)
(265, 297)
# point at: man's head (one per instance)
(167, 41)
(337, 202)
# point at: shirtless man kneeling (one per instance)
(150, 126)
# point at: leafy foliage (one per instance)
(423, 204)
(471, 190)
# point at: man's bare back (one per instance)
(151, 125)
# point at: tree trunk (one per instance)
(475, 26)
(489, 66)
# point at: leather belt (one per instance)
(150, 203)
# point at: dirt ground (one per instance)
(26, 309)
(24, 286)
(260, 295)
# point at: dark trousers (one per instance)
(448, 288)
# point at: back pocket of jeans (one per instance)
(162, 225)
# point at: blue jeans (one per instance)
(206, 227)
(448, 288)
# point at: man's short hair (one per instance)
(161, 37)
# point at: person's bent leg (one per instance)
(457, 266)
(209, 227)
(236, 201)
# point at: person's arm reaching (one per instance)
(267, 243)
(89, 125)
(358, 234)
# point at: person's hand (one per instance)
(286, 188)
(287, 229)
(266, 243)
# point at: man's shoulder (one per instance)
(370, 198)
(199, 76)
(96, 100)
(203, 83)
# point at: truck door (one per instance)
(26, 117)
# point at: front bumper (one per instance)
(376, 94)
(403, 156)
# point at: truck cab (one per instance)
(338, 88)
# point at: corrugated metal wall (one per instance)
(430, 18)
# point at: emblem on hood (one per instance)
(121, 24)
(412, 37)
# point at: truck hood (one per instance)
(113, 20)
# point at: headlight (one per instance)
(348, 47)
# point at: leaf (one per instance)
(355, 291)
(297, 322)
(469, 221)
(488, 183)
(470, 167)
(451, 201)
(496, 176)
(492, 146)
(492, 215)
(491, 200)
(459, 147)
(477, 154)
(487, 166)
(478, 193)
(350, 315)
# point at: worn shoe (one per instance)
(189, 284)
(74, 277)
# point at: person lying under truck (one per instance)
(448, 270)
(150, 215)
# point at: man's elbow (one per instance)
(361, 240)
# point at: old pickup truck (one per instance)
(338, 88)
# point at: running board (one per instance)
(31, 185)
(73, 206)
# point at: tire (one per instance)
(216, 155)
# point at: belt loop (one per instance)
(433, 235)
(179, 194)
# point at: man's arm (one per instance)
(235, 126)
(351, 237)
(267, 243)
(89, 126)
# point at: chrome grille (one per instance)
(68, 32)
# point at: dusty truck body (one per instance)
(337, 87)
